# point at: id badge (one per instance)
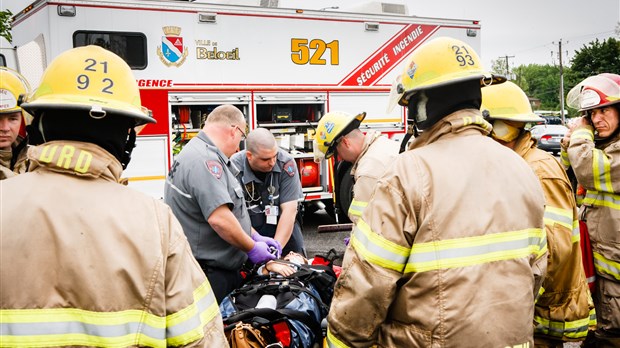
(271, 213)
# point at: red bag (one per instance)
(587, 256)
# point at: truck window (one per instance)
(2, 60)
(129, 46)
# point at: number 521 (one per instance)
(304, 52)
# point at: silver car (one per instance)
(548, 136)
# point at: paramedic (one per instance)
(563, 310)
(272, 189)
(13, 142)
(592, 148)
(204, 194)
(449, 252)
(85, 260)
(370, 153)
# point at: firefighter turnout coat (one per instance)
(597, 168)
(377, 153)
(564, 307)
(450, 251)
(87, 261)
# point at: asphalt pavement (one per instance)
(321, 243)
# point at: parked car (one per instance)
(548, 136)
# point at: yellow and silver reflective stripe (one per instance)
(333, 342)
(186, 325)
(592, 319)
(564, 158)
(576, 236)
(560, 216)
(357, 207)
(602, 199)
(378, 250)
(540, 292)
(605, 266)
(569, 329)
(469, 251)
(563, 217)
(70, 326)
(583, 133)
(601, 169)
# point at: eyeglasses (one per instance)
(240, 130)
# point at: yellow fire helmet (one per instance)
(595, 92)
(331, 127)
(440, 62)
(12, 86)
(93, 79)
(508, 102)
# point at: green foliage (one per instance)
(542, 82)
(5, 24)
(598, 57)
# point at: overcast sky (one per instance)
(529, 30)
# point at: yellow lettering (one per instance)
(201, 53)
(65, 156)
(83, 161)
(467, 120)
(48, 153)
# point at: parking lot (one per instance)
(321, 243)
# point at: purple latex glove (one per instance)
(269, 241)
(260, 253)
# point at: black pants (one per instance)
(222, 281)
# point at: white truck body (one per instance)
(283, 67)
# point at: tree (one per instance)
(598, 57)
(5, 24)
(541, 82)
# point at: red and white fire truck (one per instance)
(283, 67)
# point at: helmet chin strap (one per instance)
(129, 146)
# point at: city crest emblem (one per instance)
(172, 52)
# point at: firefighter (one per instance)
(13, 142)
(370, 153)
(450, 251)
(564, 307)
(203, 191)
(272, 189)
(85, 260)
(592, 149)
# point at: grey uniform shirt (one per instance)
(201, 179)
(283, 178)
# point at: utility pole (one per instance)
(561, 82)
(507, 70)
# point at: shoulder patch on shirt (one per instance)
(215, 168)
(289, 168)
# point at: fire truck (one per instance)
(283, 67)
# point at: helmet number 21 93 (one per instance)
(462, 55)
(83, 80)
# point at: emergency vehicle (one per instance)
(283, 67)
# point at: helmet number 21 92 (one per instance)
(83, 80)
(462, 55)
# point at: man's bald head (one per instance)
(260, 138)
